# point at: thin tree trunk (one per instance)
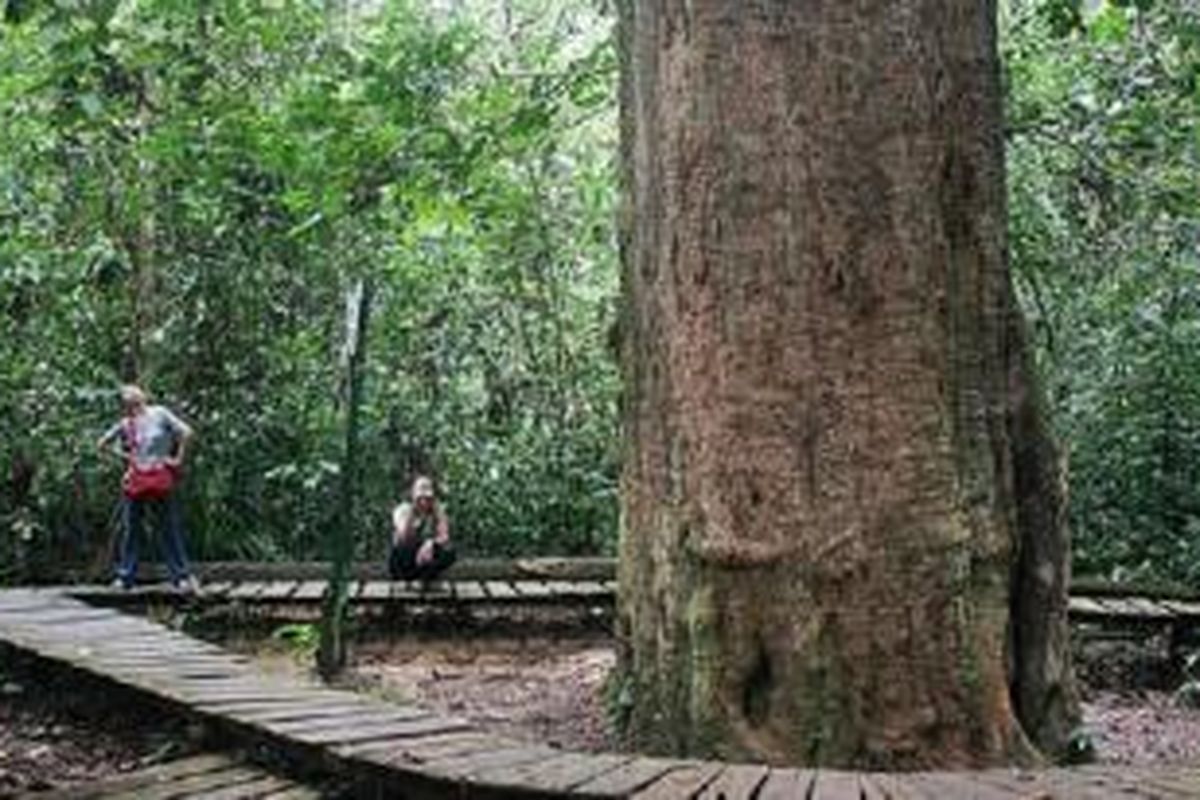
(332, 652)
(820, 521)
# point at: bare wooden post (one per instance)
(331, 656)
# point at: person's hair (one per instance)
(132, 393)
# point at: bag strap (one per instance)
(131, 440)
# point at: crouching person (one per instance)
(421, 548)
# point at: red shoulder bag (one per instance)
(145, 483)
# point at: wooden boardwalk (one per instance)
(411, 752)
(498, 586)
(365, 592)
(1177, 619)
(205, 777)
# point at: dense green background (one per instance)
(189, 187)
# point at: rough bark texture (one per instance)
(1042, 683)
(824, 376)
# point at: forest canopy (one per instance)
(187, 190)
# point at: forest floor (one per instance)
(552, 691)
(539, 689)
(56, 731)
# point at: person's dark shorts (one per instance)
(403, 566)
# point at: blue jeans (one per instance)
(173, 549)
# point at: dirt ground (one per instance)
(1141, 728)
(537, 690)
(552, 691)
(55, 732)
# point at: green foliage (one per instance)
(1104, 162)
(187, 189)
(1081, 747)
(300, 638)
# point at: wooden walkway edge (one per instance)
(411, 752)
(204, 777)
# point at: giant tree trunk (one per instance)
(829, 414)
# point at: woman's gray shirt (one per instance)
(157, 432)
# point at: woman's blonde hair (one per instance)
(132, 393)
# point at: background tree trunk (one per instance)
(332, 651)
(820, 519)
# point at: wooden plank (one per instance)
(580, 590)
(1111, 780)
(1017, 781)
(281, 712)
(414, 751)
(351, 719)
(906, 786)
(184, 673)
(629, 777)
(374, 591)
(216, 590)
(439, 591)
(150, 776)
(53, 617)
(1149, 608)
(59, 615)
(186, 683)
(247, 590)
(1182, 608)
(556, 775)
(309, 590)
(180, 670)
(466, 767)
(213, 697)
(1084, 606)
(787, 784)
(383, 730)
(296, 792)
(563, 568)
(869, 789)
(165, 649)
(1170, 782)
(77, 637)
(114, 657)
(835, 785)
(13, 602)
(931, 786)
(683, 782)
(470, 591)
(278, 590)
(969, 784)
(215, 702)
(191, 784)
(262, 787)
(500, 590)
(736, 782)
(589, 568)
(1076, 785)
(405, 591)
(1118, 607)
(532, 590)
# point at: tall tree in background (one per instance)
(841, 519)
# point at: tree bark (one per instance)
(332, 652)
(826, 391)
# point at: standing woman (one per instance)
(152, 442)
